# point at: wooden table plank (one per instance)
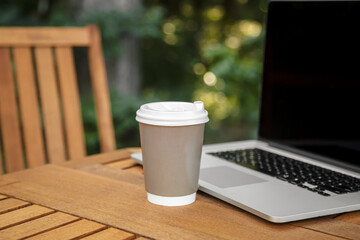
(332, 226)
(133, 149)
(2, 197)
(136, 169)
(127, 163)
(6, 181)
(113, 173)
(102, 158)
(110, 234)
(10, 204)
(36, 226)
(22, 215)
(73, 230)
(123, 204)
(353, 217)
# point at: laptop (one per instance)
(305, 162)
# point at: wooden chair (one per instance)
(39, 95)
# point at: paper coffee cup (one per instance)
(171, 140)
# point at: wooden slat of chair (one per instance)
(70, 102)
(10, 127)
(50, 104)
(100, 88)
(44, 36)
(30, 113)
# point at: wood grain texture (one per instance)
(136, 169)
(36, 226)
(10, 204)
(123, 204)
(29, 106)
(23, 214)
(70, 231)
(353, 217)
(9, 119)
(113, 173)
(44, 36)
(1, 160)
(111, 234)
(70, 102)
(6, 181)
(128, 163)
(101, 158)
(133, 149)
(331, 226)
(50, 104)
(100, 89)
(2, 197)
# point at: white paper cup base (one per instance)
(171, 201)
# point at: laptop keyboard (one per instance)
(314, 178)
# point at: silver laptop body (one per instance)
(265, 196)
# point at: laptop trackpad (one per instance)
(225, 177)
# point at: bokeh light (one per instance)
(171, 39)
(199, 68)
(209, 79)
(169, 28)
(233, 42)
(250, 28)
(217, 103)
(187, 10)
(215, 13)
(220, 84)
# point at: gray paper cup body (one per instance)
(171, 141)
(171, 158)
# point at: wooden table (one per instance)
(103, 197)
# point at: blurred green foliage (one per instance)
(210, 51)
(190, 50)
(126, 128)
(141, 22)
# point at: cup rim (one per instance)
(162, 113)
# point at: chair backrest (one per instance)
(39, 95)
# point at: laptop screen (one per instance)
(311, 80)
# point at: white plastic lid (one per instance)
(172, 113)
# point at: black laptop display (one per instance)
(311, 80)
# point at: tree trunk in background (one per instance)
(124, 72)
